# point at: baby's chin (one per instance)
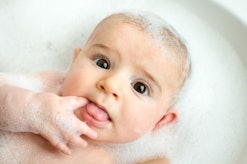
(109, 138)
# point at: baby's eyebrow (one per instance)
(149, 75)
(100, 46)
(104, 48)
(108, 49)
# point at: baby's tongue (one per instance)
(96, 112)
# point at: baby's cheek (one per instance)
(140, 129)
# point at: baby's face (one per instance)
(126, 78)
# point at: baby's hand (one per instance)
(53, 118)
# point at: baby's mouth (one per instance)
(95, 115)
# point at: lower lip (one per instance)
(91, 121)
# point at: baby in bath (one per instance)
(123, 83)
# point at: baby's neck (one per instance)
(142, 149)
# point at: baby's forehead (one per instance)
(117, 23)
(151, 26)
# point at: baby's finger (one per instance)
(57, 141)
(86, 130)
(78, 141)
(63, 148)
(72, 103)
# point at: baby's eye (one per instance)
(102, 62)
(140, 88)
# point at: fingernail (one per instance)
(67, 151)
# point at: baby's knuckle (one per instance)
(56, 140)
(71, 138)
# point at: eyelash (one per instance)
(98, 61)
(140, 87)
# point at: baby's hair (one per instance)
(166, 37)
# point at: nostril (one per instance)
(102, 87)
(115, 95)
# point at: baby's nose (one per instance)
(110, 86)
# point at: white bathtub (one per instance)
(37, 35)
(230, 19)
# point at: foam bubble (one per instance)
(22, 80)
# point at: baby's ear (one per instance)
(169, 118)
(76, 53)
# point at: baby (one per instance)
(121, 85)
